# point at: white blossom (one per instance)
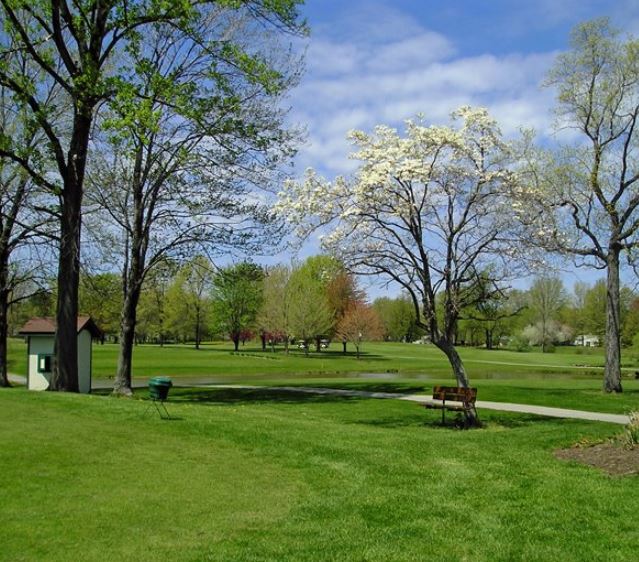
(414, 199)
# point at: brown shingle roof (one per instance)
(47, 325)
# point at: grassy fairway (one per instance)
(257, 475)
(219, 360)
(564, 379)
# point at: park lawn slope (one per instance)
(258, 474)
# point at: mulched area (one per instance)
(611, 457)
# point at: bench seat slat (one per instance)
(448, 404)
(453, 398)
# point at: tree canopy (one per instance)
(237, 294)
(582, 199)
(91, 53)
(427, 211)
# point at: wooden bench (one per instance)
(454, 398)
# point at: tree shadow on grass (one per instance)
(490, 420)
(254, 396)
(377, 386)
(514, 421)
(294, 395)
(394, 421)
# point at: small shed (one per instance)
(40, 334)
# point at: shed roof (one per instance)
(47, 325)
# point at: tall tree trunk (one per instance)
(65, 364)
(236, 341)
(197, 327)
(460, 374)
(612, 370)
(136, 242)
(4, 309)
(10, 212)
(455, 362)
(263, 339)
(128, 320)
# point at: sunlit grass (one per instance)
(555, 379)
(218, 359)
(265, 475)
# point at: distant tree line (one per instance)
(318, 301)
(310, 304)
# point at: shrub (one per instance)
(518, 343)
(632, 430)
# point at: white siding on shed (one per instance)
(39, 345)
(43, 345)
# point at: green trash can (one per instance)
(159, 387)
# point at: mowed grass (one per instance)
(218, 359)
(568, 378)
(259, 474)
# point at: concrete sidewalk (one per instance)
(420, 399)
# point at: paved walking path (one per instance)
(419, 398)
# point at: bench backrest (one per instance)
(455, 393)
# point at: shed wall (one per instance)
(38, 345)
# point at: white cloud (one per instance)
(371, 22)
(356, 85)
(326, 58)
(376, 64)
(410, 52)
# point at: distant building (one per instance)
(40, 333)
(587, 340)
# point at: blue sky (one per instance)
(372, 62)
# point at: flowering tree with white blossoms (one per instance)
(582, 200)
(428, 211)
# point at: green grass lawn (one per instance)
(568, 378)
(247, 475)
(378, 358)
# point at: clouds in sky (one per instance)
(373, 63)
